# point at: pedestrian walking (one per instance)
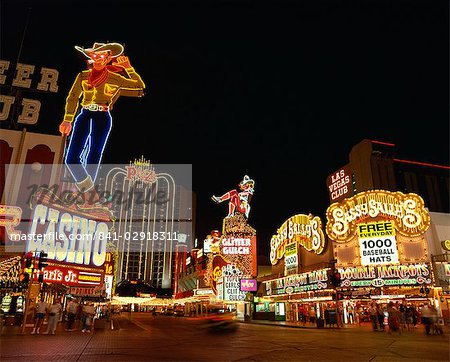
(89, 312)
(394, 319)
(409, 315)
(374, 316)
(41, 310)
(380, 317)
(72, 309)
(426, 317)
(402, 310)
(54, 313)
(83, 317)
(435, 328)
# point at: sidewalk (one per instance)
(60, 329)
(365, 326)
(294, 324)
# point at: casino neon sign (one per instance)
(67, 237)
(304, 229)
(407, 211)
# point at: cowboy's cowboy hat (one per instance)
(115, 48)
(247, 180)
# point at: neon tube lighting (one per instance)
(383, 143)
(422, 164)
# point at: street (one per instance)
(168, 338)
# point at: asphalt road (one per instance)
(167, 338)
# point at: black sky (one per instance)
(278, 90)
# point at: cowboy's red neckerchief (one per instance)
(97, 77)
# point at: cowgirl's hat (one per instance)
(247, 181)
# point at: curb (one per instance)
(288, 326)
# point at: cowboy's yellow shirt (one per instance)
(104, 94)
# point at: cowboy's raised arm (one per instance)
(133, 87)
(71, 106)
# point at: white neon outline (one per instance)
(86, 153)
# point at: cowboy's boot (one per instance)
(85, 185)
(92, 197)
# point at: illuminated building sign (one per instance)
(249, 285)
(441, 268)
(291, 259)
(377, 243)
(233, 252)
(141, 170)
(305, 230)
(72, 276)
(67, 237)
(339, 184)
(238, 202)
(232, 283)
(109, 264)
(446, 245)
(84, 292)
(204, 291)
(386, 275)
(406, 210)
(207, 246)
(236, 246)
(10, 217)
(314, 280)
(46, 82)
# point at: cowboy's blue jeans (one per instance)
(89, 135)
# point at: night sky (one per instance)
(278, 90)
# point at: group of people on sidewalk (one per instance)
(398, 317)
(54, 312)
(86, 313)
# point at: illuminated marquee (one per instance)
(304, 229)
(249, 285)
(72, 276)
(378, 276)
(314, 280)
(377, 243)
(406, 210)
(66, 237)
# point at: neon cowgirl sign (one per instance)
(239, 202)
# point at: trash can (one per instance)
(320, 323)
